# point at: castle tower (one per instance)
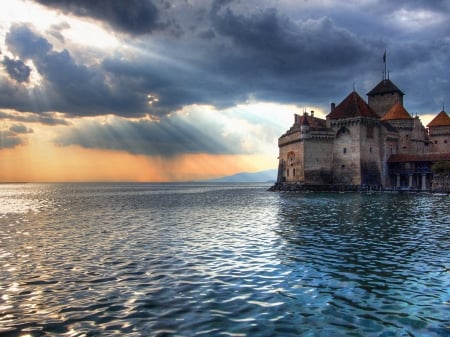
(439, 130)
(356, 155)
(403, 122)
(384, 96)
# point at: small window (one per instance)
(345, 150)
(435, 142)
(293, 172)
(445, 141)
(287, 172)
(370, 149)
(342, 166)
(370, 132)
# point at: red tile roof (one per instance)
(352, 106)
(396, 112)
(402, 158)
(442, 119)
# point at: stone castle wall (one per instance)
(293, 165)
(440, 139)
(318, 154)
(346, 155)
(382, 103)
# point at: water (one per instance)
(221, 260)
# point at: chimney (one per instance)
(312, 113)
(333, 106)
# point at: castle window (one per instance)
(370, 149)
(445, 141)
(369, 133)
(291, 157)
(345, 150)
(293, 172)
(287, 172)
(342, 166)
(435, 142)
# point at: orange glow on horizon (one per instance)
(76, 164)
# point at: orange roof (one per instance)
(352, 106)
(396, 112)
(441, 119)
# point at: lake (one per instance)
(221, 260)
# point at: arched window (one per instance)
(343, 131)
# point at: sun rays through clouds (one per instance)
(175, 90)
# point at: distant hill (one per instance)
(249, 177)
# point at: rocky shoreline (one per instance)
(298, 187)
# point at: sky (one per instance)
(158, 90)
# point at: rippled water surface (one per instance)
(221, 260)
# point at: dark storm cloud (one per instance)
(17, 70)
(131, 16)
(435, 5)
(264, 56)
(228, 52)
(168, 137)
(274, 40)
(274, 58)
(70, 87)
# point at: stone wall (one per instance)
(346, 156)
(292, 165)
(382, 103)
(440, 184)
(318, 156)
(370, 154)
(440, 138)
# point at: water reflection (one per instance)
(207, 260)
(373, 260)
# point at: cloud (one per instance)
(275, 41)
(17, 70)
(224, 53)
(43, 118)
(70, 87)
(191, 130)
(20, 128)
(9, 140)
(131, 16)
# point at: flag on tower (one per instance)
(384, 57)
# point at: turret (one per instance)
(304, 127)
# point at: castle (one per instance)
(373, 145)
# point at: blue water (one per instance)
(221, 260)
